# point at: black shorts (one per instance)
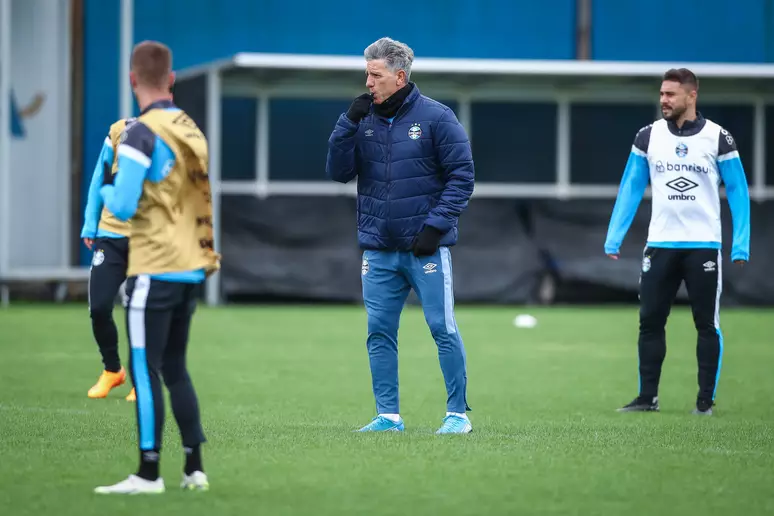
(159, 316)
(108, 271)
(664, 270)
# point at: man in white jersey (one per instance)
(685, 157)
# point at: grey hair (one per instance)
(396, 55)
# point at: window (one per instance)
(238, 138)
(769, 147)
(298, 137)
(191, 96)
(514, 143)
(601, 137)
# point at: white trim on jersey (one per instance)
(134, 155)
(730, 155)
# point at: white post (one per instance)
(5, 145)
(213, 137)
(563, 129)
(262, 146)
(759, 151)
(127, 42)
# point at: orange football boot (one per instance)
(107, 381)
(132, 396)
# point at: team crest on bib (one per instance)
(646, 264)
(99, 257)
(681, 150)
(364, 267)
(415, 132)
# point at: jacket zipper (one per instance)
(389, 184)
(389, 167)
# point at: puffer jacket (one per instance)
(414, 170)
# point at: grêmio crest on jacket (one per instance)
(372, 130)
(406, 129)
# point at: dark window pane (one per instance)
(601, 138)
(769, 146)
(514, 143)
(298, 137)
(738, 120)
(191, 97)
(238, 138)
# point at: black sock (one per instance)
(149, 465)
(193, 459)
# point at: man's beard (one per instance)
(676, 113)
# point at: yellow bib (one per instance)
(172, 228)
(108, 221)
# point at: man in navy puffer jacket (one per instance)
(414, 170)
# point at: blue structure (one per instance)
(200, 31)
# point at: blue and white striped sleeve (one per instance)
(633, 184)
(733, 176)
(134, 161)
(91, 214)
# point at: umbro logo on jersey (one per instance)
(682, 185)
(430, 268)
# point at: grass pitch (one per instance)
(282, 388)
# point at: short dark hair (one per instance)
(682, 75)
(152, 63)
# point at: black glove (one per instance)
(426, 242)
(359, 107)
(107, 174)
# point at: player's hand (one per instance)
(88, 242)
(613, 256)
(740, 263)
(359, 107)
(426, 242)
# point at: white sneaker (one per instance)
(196, 481)
(133, 485)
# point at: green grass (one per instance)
(282, 388)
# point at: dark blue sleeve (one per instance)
(452, 148)
(738, 194)
(341, 163)
(134, 161)
(633, 184)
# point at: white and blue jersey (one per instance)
(685, 167)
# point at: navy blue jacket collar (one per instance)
(689, 128)
(410, 99)
(159, 104)
(414, 95)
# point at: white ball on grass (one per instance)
(524, 321)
